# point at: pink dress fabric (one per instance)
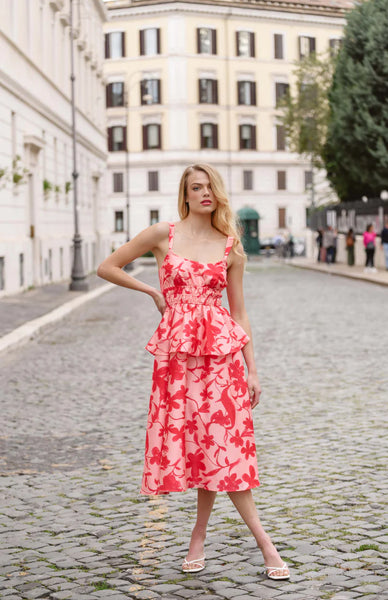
(199, 430)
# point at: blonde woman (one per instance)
(200, 431)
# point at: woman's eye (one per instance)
(195, 189)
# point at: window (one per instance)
(152, 137)
(149, 41)
(206, 40)
(308, 180)
(150, 91)
(21, 269)
(281, 89)
(246, 93)
(247, 137)
(117, 138)
(334, 46)
(306, 46)
(281, 218)
(208, 91)
(153, 181)
(248, 180)
(2, 273)
(118, 182)
(280, 138)
(282, 185)
(245, 43)
(278, 45)
(209, 135)
(115, 94)
(119, 220)
(115, 44)
(154, 217)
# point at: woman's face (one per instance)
(199, 194)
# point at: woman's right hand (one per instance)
(160, 301)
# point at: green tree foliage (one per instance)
(305, 110)
(356, 150)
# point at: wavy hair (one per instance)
(222, 218)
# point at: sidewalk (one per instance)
(342, 270)
(23, 315)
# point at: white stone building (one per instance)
(201, 80)
(36, 199)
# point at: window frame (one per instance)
(247, 180)
(111, 140)
(144, 91)
(118, 178)
(145, 131)
(251, 44)
(252, 93)
(213, 41)
(214, 136)
(142, 42)
(117, 220)
(278, 48)
(110, 95)
(108, 49)
(253, 142)
(213, 93)
(153, 181)
(281, 180)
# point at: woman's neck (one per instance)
(197, 226)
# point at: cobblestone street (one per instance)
(74, 408)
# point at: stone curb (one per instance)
(338, 273)
(28, 330)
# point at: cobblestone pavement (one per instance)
(74, 406)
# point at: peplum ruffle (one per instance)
(198, 330)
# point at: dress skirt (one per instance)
(199, 430)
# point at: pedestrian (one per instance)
(335, 241)
(200, 430)
(384, 241)
(329, 244)
(319, 240)
(369, 243)
(350, 241)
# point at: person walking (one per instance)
(384, 241)
(329, 244)
(350, 241)
(369, 240)
(200, 429)
(319, 241)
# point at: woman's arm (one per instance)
(239, 314)
(154, 239)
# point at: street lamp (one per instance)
(78, 277)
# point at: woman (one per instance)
(369, 243)
(350, 241)
(199, 430)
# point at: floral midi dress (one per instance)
(199, 430)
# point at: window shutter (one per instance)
(159, 91)
(145, 138)
(253, 133)
(107, 48)
(202, 136)
(300, 46)
(199, 92)
(239, 92)
(158, 41)
(252, 44)
(237, 44)
(282, 218)
(312, 44)
(123, 43)
(159, 136)
(281, 180)
(240, 136)
(198, 41)
(214, 41)
(215, 91)
(278, 41)
(108, 104)
(253, 93)
(280, 138)
(142, 91)
(141, 32)
(215, 136)
(110, 139)
(124, 138)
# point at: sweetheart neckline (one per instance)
(194, 261)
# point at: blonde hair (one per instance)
(223, 219)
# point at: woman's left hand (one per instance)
(254, 389)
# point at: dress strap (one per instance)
(229, 244)
(171, 235)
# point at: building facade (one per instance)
(191, 82)
(36, 196)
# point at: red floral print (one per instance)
(199, 430)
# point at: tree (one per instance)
(305, 110)
(356, 150)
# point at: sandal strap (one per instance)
(272, 569)
(190, 562)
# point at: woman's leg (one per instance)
(245, 505)
(204, 507)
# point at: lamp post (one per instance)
(78, 277)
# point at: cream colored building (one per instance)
(36, 204)
(201, 80)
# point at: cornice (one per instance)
(329, 8)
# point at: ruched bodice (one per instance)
(194, 320)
